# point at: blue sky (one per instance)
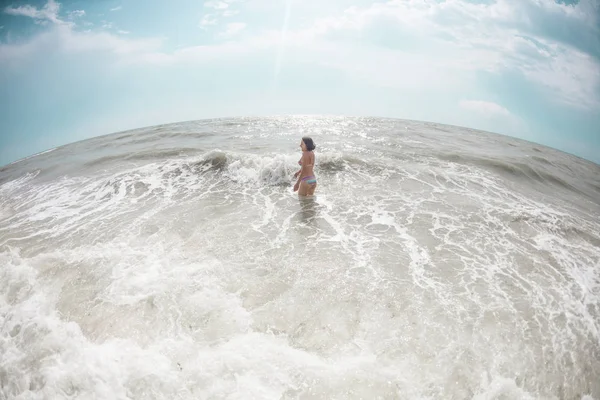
(77, 69)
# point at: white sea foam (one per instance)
(205, 276)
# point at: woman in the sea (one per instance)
(307, 183)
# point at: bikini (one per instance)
(311, 180)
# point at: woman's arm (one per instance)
(298, 174)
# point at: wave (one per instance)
(270, 170)
(558, 225)
(45, 151)
(176, 172)
(29, 157)
(161, 154)
(142, 156)
(227, 169)
(516, 171)
(542, 160)
(10, 185)
(196, 173)
(6, 212)
(212, 160)
(325, 162)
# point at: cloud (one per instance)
(100, 41)
(208, 20)
(122, 32)
(63, 39)
(404, 44)
(76, 14)
(233, 29)
(229, 13)
(220, 9)
(487, 108)
(496, 37)
(491, 116)
(116, 8)
(579, 23)
(48, 13)
(217, 5)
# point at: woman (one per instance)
(307, 183)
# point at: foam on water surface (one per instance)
(200, 274)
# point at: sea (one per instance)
(177, 262)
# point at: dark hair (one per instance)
(309, 143)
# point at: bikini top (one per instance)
(300, 163)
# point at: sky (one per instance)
(78, 69)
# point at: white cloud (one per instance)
(48, 13)
(100, 41)
(63, 39)
(494, 37)
(208, 20)
(487, 108)
(229, 13)
(76, 14)
(217, 5)
(399, 43)
(220, 9)
(491, 116)
(122, 32)
(116, 8)
(233, 29)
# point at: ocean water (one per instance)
(175, 262)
